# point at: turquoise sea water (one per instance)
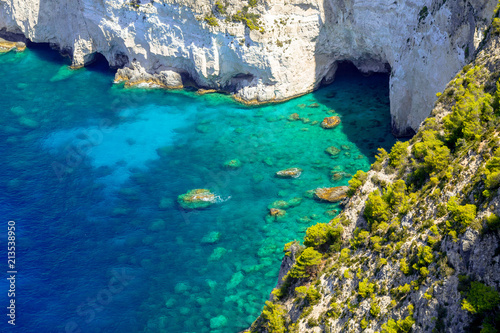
(91, 171)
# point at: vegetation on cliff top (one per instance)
(424, 193)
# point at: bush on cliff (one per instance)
(480, 298)
(398, 154)
(310, 294)
(273, 315)
(357, 180)
(306, 263)
(462, 215)
(322, 235)
(376, 209)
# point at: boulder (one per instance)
(277, 212)
(198, 198)
(232, 164)
(331, 194)
(330, 122)
(333, 151)
(289, 173)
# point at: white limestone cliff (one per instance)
(422, 42)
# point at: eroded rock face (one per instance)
(422, 42)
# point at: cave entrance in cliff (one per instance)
(362, 102)
(98, 63)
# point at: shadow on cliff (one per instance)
(362, 103)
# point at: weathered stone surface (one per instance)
(277, 212)
(333, 151)
(198, 198)
(289, 173)
(330, 122)
(233, 164)
(331, 194)
(6, 46)
(165, 42)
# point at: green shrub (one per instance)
(252, 3)
(379, 159)
(212, 21)
(366, 288)
(274, 317)
(306, 263)
(396, 197)
(357, 180)
(402, 325)
(221, 7)
(398, 154)
(480, 298)
(364, 323)
(432, 152)
(375, 309)
(404, 267)
(310, 294)
(344, 254)
(492, 180)
(322, 234)
(312, 322)
(495, 25)
(249, 19)
(425, 256)
(360, 237)
(493, 222)
(462, 215)
(376, 209)
(472, 107)
(423, 13)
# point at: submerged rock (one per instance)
(282, 204)
(330, 122)
(333, 151)
(331, 212)
(337, 176)
(289, 173)
(275, 214)
(198, 198)
(331, 194)
(233, 164)
(217, 254)
(211, 238)
(218, 322)
(293, 117)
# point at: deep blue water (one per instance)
(91, 171)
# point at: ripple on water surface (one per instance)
(92, 173)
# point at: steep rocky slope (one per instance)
(417, 246)
(265, 50)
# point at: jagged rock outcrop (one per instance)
(293, 48)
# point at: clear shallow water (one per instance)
(91, 172)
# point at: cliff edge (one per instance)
(265, 50)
